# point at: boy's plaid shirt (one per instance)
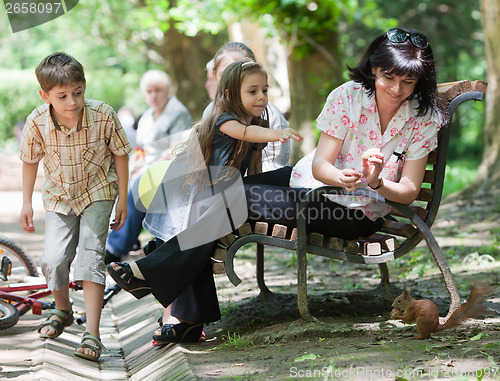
(78, 163)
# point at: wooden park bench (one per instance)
(402, 230)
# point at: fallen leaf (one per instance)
(477, 337)
(310, 356)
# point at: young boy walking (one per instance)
(85, 159)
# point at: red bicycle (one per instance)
(21, 287)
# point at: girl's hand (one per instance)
(289, 133)
(350, 179)
(373, 163)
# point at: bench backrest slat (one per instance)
(429, 197)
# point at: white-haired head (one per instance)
(154, 77)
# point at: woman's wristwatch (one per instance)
(380, 184)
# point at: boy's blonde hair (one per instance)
(59, 69)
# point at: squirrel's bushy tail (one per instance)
(473, 307)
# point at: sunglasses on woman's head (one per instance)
(398, 35)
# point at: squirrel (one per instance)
(426, 315)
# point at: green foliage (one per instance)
(305, 25)
(115, 88)
(229, 309)
(192, 17)
(353, 286)
(234, 342)
(16, 101)
(113, 37)
(455, 32)
(19, 94)
(459, 174)
(466, 140)
(310, 356)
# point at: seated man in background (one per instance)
(166, 117)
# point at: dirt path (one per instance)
(261, 337)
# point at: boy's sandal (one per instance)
(93, 343)
(58, 326)
(179, 333)
(137, 287)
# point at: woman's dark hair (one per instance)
(403, 58)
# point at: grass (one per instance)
(234, 342)
(459, 174)
(229, 308)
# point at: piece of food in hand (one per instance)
(368, 153)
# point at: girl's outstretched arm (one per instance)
(258, 134)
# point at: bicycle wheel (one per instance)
(9, 315)
(22, 264)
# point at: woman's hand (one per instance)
(373, 163)
(350, 179)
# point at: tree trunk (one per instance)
(488, 173)
(185, 60)
(311, 80)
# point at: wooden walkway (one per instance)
(126, 329)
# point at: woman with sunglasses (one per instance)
(377, 131)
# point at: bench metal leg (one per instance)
(442, 264)
(260, 270)
(302, 286)
(384, 274)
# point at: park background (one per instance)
(305, 46)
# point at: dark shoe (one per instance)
(179, 333)
(136, 246)
(137, 287)
(150, 247)
(110, 258)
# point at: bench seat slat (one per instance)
(279, 231)
(432, 158)
(425, 194)
(429, 176)
(399, 229)
(421, 212)
(261, 228)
